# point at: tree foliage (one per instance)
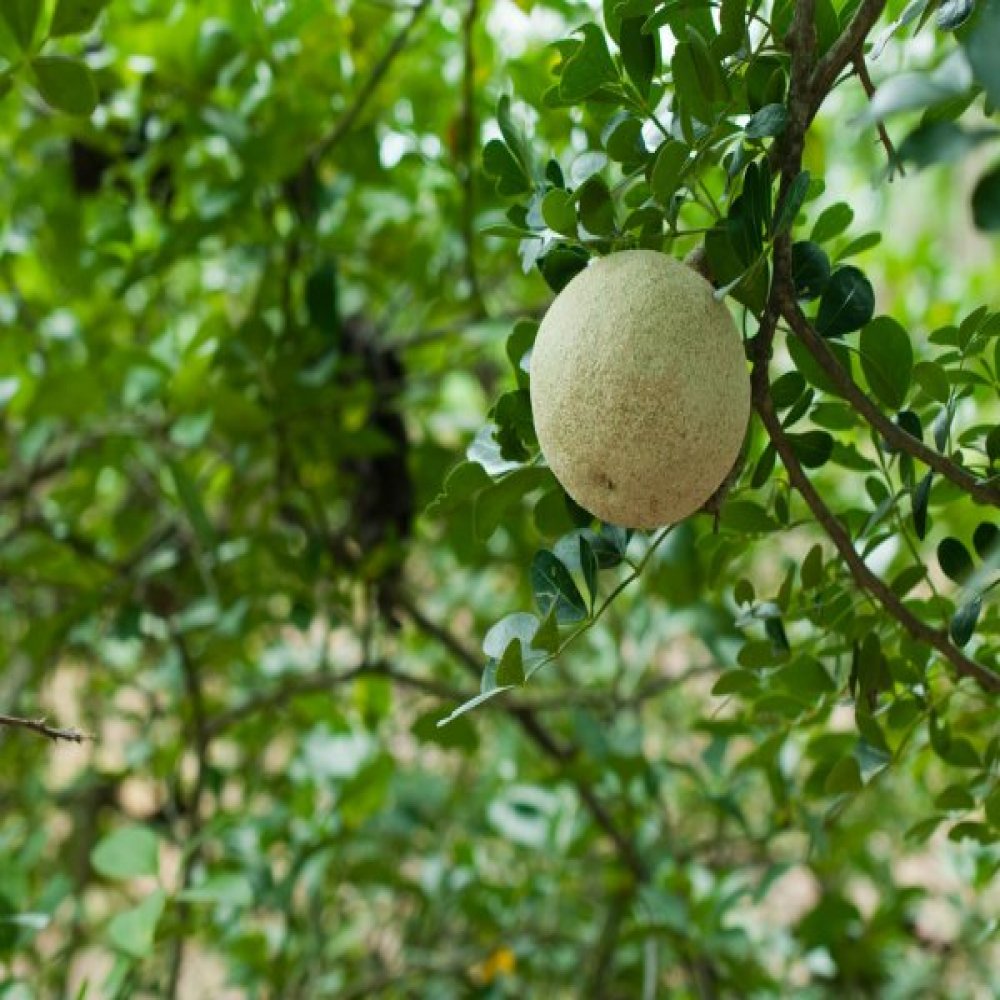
(301, 702)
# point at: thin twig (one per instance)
(346, 121)
(42, 727)
(861, 68)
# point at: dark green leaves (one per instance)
(668, 168)
(597, 211)
(73, 17)
(66, 84)
(639, 54)
(986, 201)
(128, 852)
(955, 561)
(698, 77)
(810, 269)
(21, 17)
(588, 68)
(554, 588)
(561, 264)
(769, 121)
(887, 360)
(848, 303)
(321, 298)
(813, 448)
(500, 164)
(963, 622)
(832, 222)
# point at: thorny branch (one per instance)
(42, 727)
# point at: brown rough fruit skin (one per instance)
(640, 389)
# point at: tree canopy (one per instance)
(315, 680)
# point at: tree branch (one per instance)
(861, 68)
(561, 754)
(41, 727)
(863, 576)
(320, 682)
(842, 52)
(346, 121)
(984, 492)
(807, 93)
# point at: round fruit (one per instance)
(639, 389)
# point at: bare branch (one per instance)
(42, 727)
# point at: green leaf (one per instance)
(963, 622)
(955, 561)
(789, 207)
(982, 43)
(554, 588)
(931, 378)
(698, 79)
(134, 931)
(770, 120)
(887, 360)
(810, 269)
(921, 496)
(984, 539)
(622, 138)
(510, 667)
(21, 17)
(813, 449)
(74, 17)
(589, 68)
(190, 499)
(559, 212)
(812, 567)
(501, 164)
(66, 84)
(561, 264)
(321, 299)
(848, 302)
(832, 222)
(519, 625)
(128, 852)
(493, 502)
(986, 201)
(597, 210)
(844, 776)
(668, 168)
(639, 54)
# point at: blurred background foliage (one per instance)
(253, 311)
